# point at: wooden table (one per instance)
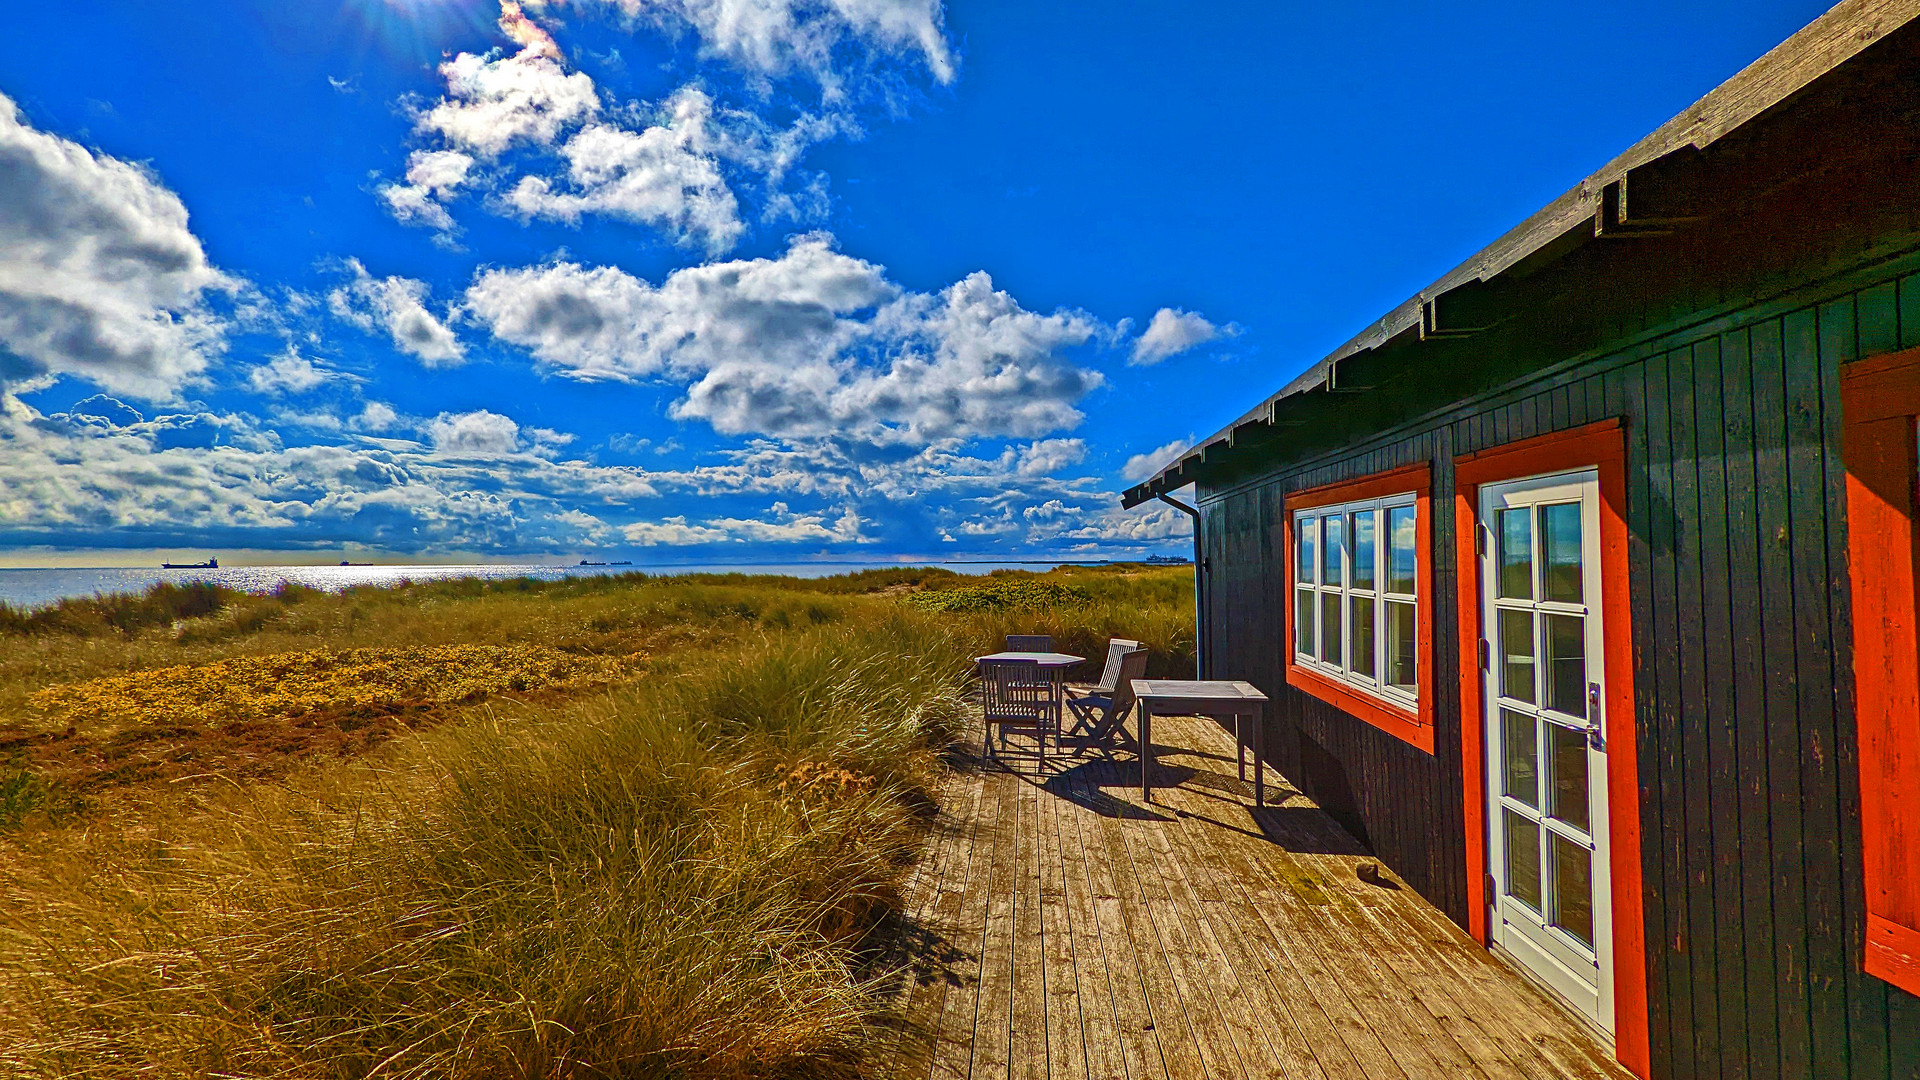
(1055, 664)
(1210, 697)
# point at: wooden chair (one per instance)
(1116, 648)
(1016, 696)
(1029, 643)
(1099, 720)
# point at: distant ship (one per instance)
(210, 564)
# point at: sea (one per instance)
(29, 587)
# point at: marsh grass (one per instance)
(679, 876)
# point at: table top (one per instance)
(1196, 690)
(1044, 659)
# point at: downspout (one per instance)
(1199, 588)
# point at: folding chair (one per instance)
(1029, 643)
(1099, 720)
(1015, 696)
(1116, 648)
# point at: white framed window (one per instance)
(1355, 600)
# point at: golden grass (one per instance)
(681, 875)
(323, 680)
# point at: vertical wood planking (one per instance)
(1690, 514)
(1747, 686)
(1793, 1006)
(1806, 484)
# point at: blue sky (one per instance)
(736, 280)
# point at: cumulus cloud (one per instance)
(675, 165)
(102, 475)
(1141, 466)
(813, 344)
(665, 175)
(376, 416)
(288, 373)
(100, 276)
(399, 306)
(433, 176)
(1173, 332)
(781, 526)
(477, 432)
(772, 38)
(1049, 456)
(495, 100)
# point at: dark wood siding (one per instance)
(1754, 901)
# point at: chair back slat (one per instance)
(1015, 692)
(1117, 648)
(1132, 666)
(1029, 643)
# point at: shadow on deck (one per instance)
(1057, 927)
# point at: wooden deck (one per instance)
(1069, 931)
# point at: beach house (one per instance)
(1583, 582)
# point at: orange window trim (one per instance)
(1408, 725)
(1880, 398)
(1600, 446)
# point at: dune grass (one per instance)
(680, 874)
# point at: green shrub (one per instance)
(1002, 595)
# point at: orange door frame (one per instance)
(1600, 446)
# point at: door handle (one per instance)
(1596, 726)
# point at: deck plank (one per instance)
(1084, 934)
(1139, 1048)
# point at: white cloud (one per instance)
(377, 416)
(1049, 456)
(778, 37)
(100, 276)
(432, 177)
(477, 432)
(813, 344)
(676, 165)
(494, 100)
(665, 176)
(782, 526)
(397, 305)
(288, 373)
(101, 475)
(1141, 466)
(1173, 332)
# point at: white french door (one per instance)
(1545, 687)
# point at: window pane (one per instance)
(1567, 664)
(1303, 621)
(1305, 532)
(1331, 549)
(1516, 654)
(1569, 790)
(1573, 888)
(1400, 550)
(1515, 541)
(1400, 647)
(1561, 578)
(1361, 574)
(1364, 639)
(1522, 739)
(1523, 859)
(1330, 628)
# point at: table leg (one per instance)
(1259, 760)
(1239, 748)
(1146, 752)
